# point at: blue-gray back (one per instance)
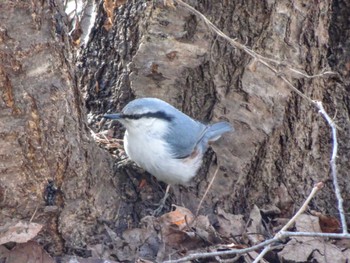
(184, 133)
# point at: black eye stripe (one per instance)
(158, 114)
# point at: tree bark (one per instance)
(281, 146)
(44, 135)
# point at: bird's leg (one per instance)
(162, 202)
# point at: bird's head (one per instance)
(145, 115)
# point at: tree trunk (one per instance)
(280, 148)
(43, 133)
(281, 145)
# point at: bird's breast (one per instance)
(154, 155)
(144, 150)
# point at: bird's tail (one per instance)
(215, 130)
(212, 133)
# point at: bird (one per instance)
(164, 141)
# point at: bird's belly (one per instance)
(155, 157)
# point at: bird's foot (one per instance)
(161, 204)
(158, 211)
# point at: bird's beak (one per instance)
(115, 116)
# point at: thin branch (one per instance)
(301, 210)
(206, 191)
(313, 76)
(262, 253)
(223, 253)
(36, 209)
(334, 165)
(283, 234)
(314, 234)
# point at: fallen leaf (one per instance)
(137, 243)
(230, 225)
(19, 232)
(29, 252)
(205, 230)
(255, 228)
(181, 217)
(328, 224)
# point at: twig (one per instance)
(109, 143)
(301, 210)
(207, 190)
(262, 253)
(316, 188)
(36, 209)
(314, 234)
(334, 165)
(223, 253)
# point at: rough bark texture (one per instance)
(280, 148)
(43, 133)
(281, 145)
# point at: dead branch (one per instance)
(334, 165)
(207, 190)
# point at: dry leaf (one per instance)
(328, 224)
(29, 252)
(180, 229)
(169, 3)
(205, 231)
(19, 232)
(255, 228)
(229, 224)
(180, 217)
(172, 225)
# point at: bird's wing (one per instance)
(183, 136)
(197, 135)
